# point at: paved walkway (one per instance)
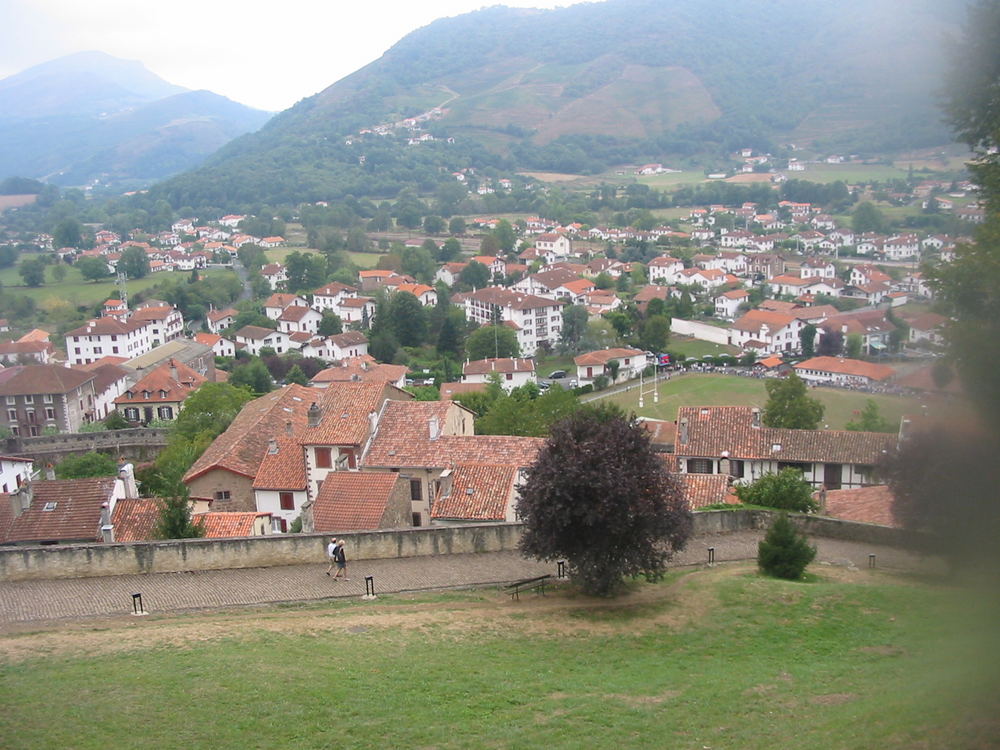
(30, 601)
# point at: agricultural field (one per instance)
(78, 292)
(718, 657)
(841, 406)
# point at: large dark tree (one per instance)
(789, 405)
(134, 263)
(492, 341)
(969, 287)
(598, 496)
(943, 485)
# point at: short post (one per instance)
(711, 555)
(137, 608)
(871, 560)
(369, 588)
(561, 569)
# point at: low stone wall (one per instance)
(90, 560)
(139, 442)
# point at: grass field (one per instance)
(730, 390)
(717, 658)
(75, 290)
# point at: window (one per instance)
(324, 458)
(31, 415)
(165, 412)
(415, 490)
(222, 495)
(10, 401)
(29, 399)
(50, 413)
(699, 466)
(286, 501)
(12, 415)
(736, 468)
(145, 394)
(47, 398)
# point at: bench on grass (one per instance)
(528, 584)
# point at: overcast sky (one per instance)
(266, 54)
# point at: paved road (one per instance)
(33, 601)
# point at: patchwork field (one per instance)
(716, 658)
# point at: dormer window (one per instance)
(163, 393)
(145, 394)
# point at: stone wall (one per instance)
(139, 443)
(701, 331)
(89, 560)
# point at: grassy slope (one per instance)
(723, 390)
(719, 658)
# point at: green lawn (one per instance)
(731, 390)
(718, 658)
(78, 292)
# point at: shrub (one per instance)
(786, 490)
(784, 552)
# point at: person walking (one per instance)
(341, 559)
(331, 553)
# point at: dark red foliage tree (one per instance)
(600, 498)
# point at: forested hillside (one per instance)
(581, 88)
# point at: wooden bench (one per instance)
(528, 584)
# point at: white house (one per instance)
(221, 347)
(664, 270)
(255, 338)
(277, 302)
(513, 372)
(766, 332)
(842, 371)
(297, 319)
(591, 365)
(728, 304)
(103, 337)
(557, 244)
(165, 321)
(14, 472)
(536, 320)
(330, 296)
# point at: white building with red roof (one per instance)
(536, 320)
(512, 372)
(591, 365)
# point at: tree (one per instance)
(870, 420)
(449, 340)
(613, 367)
(574, 326)
(209, 410)
(867, 218)
(655, 333)
(59, 272)
(115, 421)
(475, 275)
(943, 483)
(831, 344)
(296, 375)
(969, 287)
(598, 496)
(434, 225)
(175, 520)
(456, 225)
(789, 406)
(787, 490)
(407, 319)
(134, 263)
(331, 324)
(492, 341)
(32, 271)
(449, 250)
(854, 345)
(67, 233)
(86, 465)
(505, 235)
(489, 245)
(784, 552)
(254, 376)
(808, 338)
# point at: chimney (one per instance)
(288, 427)
(173, 370)
(272, 446)
(50, 472)
(682, 430)
(20, 501)
(435, 428)
(314, 415)
(126, 473)
(755, 417)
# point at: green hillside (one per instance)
(579, 89)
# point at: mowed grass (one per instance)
(840, 406)
(718, 658)
(77, 291)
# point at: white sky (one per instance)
(263, 53)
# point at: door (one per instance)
(832, 476)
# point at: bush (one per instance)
(784, 552)
(786, 490)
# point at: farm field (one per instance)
(78, 292)
(732, 390)
(717, 657)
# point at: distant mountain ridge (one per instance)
(581, 88)
(92, 117)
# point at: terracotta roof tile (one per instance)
(714, 429)
(222, 525)
(478, 493)
(135, 519)
(865, 504)
(283, 470)
(603, 356)
(504, 364)
(706, 489)
(74, 515)
(844, 366)
(171, 382)
(353, 500)
(33, 379)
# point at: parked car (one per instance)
(557, 374)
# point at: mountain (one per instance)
(91, 117)
(582, 88)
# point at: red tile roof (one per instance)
(353, 500)
(603, 356)
(753, 320)
(843, 366)
(283, 470)
(714, 429)
(23, 379)
(75, 513)
(354, 371)
(504, 364)
(450, 390)
(706, 489)
(478, 493)
(223, 525)
(135, 519)
(171, 382)
(865, 504)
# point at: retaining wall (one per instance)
(91, 560)
(702, 331)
